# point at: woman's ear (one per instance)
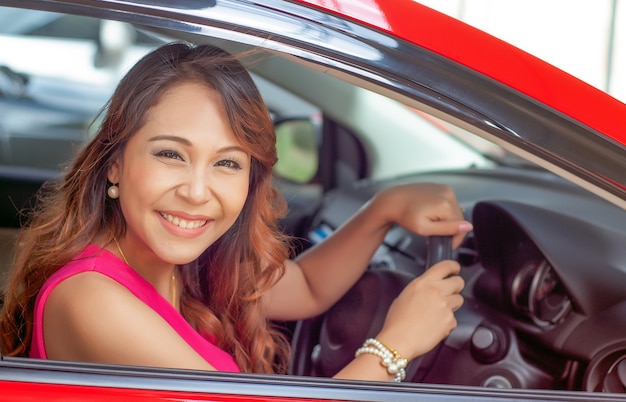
(113, 173)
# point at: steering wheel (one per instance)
(358, 315)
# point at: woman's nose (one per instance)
(196, 188)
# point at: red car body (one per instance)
(490, 56)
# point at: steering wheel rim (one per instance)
(342, 328)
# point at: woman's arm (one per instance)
(320, 276)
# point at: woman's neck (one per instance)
(165, 280)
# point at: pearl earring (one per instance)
(113, 191)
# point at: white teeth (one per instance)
(183, 224)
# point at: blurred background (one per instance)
(586, 38)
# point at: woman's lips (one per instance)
(183, 223)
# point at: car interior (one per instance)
(545, 266)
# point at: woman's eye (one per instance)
(228, 163)
(169, 154)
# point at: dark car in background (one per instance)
(364, 95)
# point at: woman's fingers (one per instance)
(442, 269)
(450, 285)
(423, 314)
(428, 209)
(455, 301)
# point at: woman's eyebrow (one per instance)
(232, 148)
(174, 138)
(185, 141)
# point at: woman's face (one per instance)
(183, 178)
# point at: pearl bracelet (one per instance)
(389, 358)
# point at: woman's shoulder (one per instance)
(95, 274)
(93, 259)
(93, 279)
(87, 289)
(90, 316)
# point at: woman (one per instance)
(161, 248)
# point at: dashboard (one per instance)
(545, 295)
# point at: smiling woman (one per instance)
(124, 150)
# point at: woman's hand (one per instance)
(418, 319)
(423, 314)
(424, 208)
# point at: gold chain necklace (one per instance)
(173, 272)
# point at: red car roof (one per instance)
(490, 56)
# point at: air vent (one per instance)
(615, 378)
(607, 373)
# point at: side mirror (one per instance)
(297, 147)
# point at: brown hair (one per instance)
(222, 288)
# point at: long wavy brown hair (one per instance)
(223, 287)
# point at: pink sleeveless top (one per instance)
(96, 259)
